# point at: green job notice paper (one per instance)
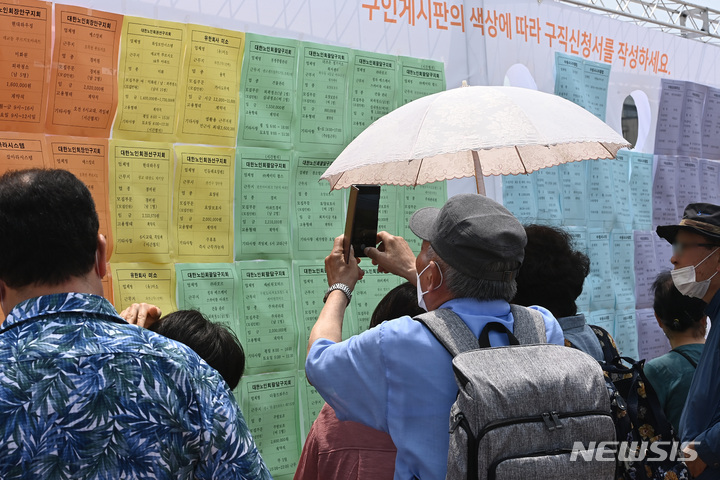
(267, 90)
(266, 327)
(262, 203)
(209, 288)
(373, 89)
(319, 213)
(419, 78)
(411, 199)
(322, 120)
(269, 404)
(388, 210)
(311, 403)
(310, 287)
(368, 293)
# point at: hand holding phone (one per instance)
(362, 219)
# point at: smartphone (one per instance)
(362, 219)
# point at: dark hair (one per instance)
(552, 273)
(49, 227)
(213, 342)
(676, 311)
(400, 301)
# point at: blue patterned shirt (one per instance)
(85, 395)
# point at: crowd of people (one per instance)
(86, 392)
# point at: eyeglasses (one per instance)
(678, 248)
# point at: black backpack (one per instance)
(639, 419)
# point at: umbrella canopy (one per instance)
(472, 131)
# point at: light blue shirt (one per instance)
(398, 378)
(700, 421)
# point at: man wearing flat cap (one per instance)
(696, 258)
(397, 377)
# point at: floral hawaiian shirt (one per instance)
(85, 395)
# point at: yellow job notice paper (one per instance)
(140, 191)
(210, 97)
(149, 79)
(203, 203)
(143, 282)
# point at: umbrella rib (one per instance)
(520, 158)
(612, 155)
(420, 125)
(417, 175)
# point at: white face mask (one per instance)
(420, 293)
(685, 280)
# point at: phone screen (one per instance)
(362, 219)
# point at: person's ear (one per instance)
(435, 276)
(100, 256)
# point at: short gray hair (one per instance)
(465, 286)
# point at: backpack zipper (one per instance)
(550, 419)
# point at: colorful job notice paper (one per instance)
(319, 213)
(419, 78)
(87, 159)
(23, 150)
(266, 325)
(310, 287)
(143, 282)
(322, 106)
(141, 185)
(268, 92)
(149, 79)
(583, 82)
(373, 89)
(203, 203)
(209, 288)
(270, 405)
(262, 203)
(25, 60)
(84, 72)
(210, 97)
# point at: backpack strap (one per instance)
(449, 329)
(609, 348)
(529, 325)
(456, 337)
(687, 357)
(662, 425)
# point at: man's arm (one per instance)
(330, 320)
(696, 465)
(707, 447)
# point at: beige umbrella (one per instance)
(472, 131)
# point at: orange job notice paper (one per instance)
(87, 159)
(25, 43)
(22, 150)
(83, 88)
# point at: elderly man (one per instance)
(397, 377)
(696, 258)
(83, 394)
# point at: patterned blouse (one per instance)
(85, 395)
